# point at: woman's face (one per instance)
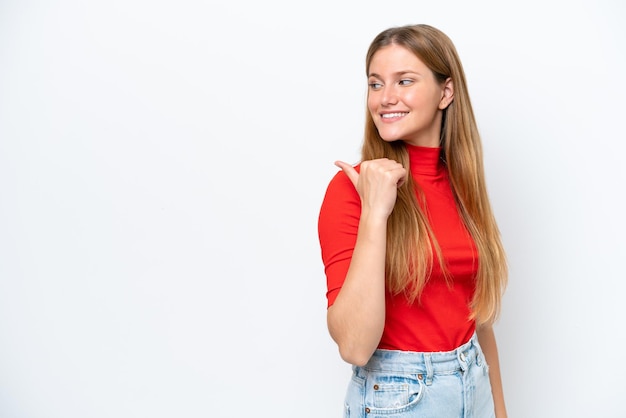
(404, 98)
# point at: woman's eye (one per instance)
(375, 86)
(405, 82)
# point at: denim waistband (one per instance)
(411, 362)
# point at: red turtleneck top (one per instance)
(440, 322)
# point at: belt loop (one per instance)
(480, 356)
(429, 369)
(475, 342)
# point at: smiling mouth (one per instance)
(393, 115)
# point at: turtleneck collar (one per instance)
(425, 160)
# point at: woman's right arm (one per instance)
(356, 319)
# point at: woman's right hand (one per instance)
(377, 184)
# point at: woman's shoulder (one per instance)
(341, 183)
(341, 195)
(340, 209)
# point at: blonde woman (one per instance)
(414, 262)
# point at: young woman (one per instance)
(414, 262)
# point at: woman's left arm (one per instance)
(487, 341)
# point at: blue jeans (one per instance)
(403, 384)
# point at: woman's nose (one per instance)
(389, 96)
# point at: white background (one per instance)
(161, 170)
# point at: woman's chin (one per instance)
(389, 138)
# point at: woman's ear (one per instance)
(447, 94)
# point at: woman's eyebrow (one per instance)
(397, 73)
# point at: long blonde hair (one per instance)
(411, 244)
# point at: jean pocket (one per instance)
(395, 392)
